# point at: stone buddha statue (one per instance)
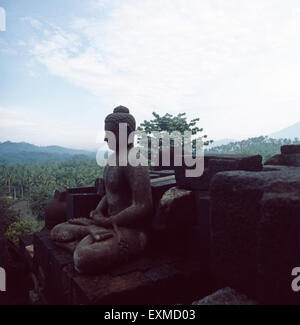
(116, 230)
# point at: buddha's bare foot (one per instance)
(69, 246)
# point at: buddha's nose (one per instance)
(105, 139)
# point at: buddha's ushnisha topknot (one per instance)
(121, 109)
(120, 115)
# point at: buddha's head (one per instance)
(120, 115)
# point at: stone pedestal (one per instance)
(154, 278)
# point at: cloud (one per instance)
(35, 23)
(12, 118)
(6, 48)
(231, 60)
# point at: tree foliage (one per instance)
(8, 216)
(20, 228)
(168, 124)
(37, 182)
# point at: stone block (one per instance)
(176, 209)
(161, 283)
(278, 247)
(276, 160)
(159, 186)
(43, 246)
(235, 212)
(198, 238)
(175, 215)
(214, 164)
(246, 243)
(50, 260)
(193, 183)
(105, 289)
(57, 286)
(290, 149)
(226, 296)
(292, 159)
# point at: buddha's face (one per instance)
(112, 139)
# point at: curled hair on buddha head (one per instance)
(120, 115)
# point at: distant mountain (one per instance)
(26, 152)
(290, 132)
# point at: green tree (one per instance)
(168, 124)
(8, 216)
(20, 228)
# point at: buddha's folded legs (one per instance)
(92, 256)
(66, 232)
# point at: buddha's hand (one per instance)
(101, 221)
(81, 221)
(99, 218)
(96, 213)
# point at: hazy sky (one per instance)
(65, 64)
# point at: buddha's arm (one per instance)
(141, 207)
(102, 205)
(101, 208)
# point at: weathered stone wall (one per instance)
(255, 232)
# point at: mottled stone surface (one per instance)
(214, 164)
(292, 159)
(245, 239)
(278, 247)
(49, 260)
(176, 209)
(276, 160)
(163, 283)
(174, 217)
(290, 156)
(226, 296)
(232, 162)
(199, 235)
(290, 149)
(158, 187)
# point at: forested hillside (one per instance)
(263, 145)
(23, 152)
(37, 182)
